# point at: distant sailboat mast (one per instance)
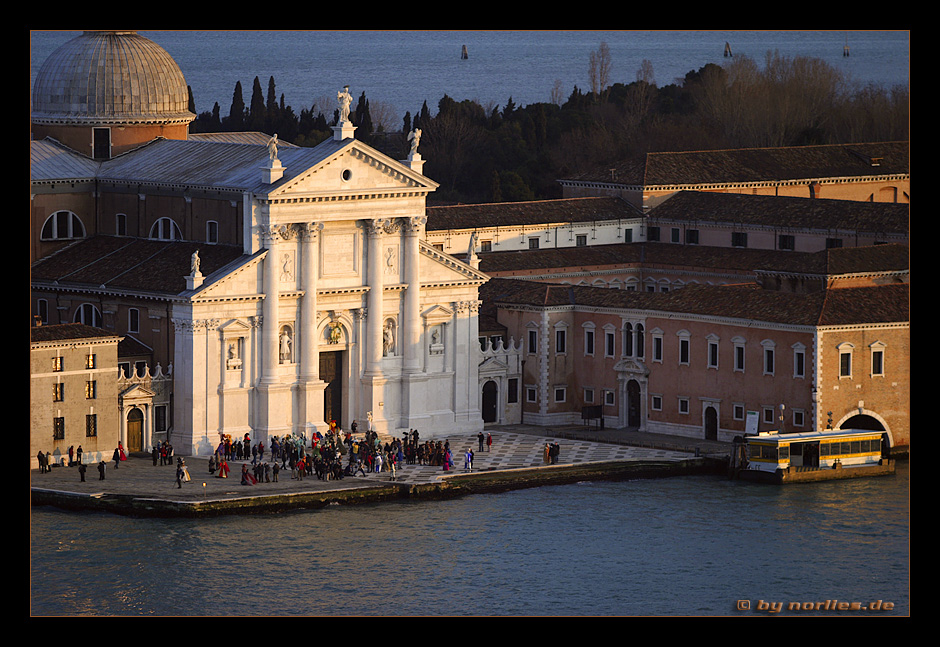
(464, 54)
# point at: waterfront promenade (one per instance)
(515, 450)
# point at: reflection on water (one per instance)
(679, 546)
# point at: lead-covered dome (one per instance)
(110, 77)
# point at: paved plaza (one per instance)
(510, 450)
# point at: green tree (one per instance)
(236, 114)
(257, 112)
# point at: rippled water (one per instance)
(676, 546)
(403, 69)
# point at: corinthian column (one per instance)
(374, 231)
(269, 340)
(411, 324)
(309, 340)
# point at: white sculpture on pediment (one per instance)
(344, 99)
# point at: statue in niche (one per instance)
(344, 99)
(285, 345)
(388, 340)
(234, 360)
(336, 333)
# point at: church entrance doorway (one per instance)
(331, 372)
(135, 430)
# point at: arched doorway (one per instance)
(490, 401)
(711, 423)
(135, 430)
(633, 404)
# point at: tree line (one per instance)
(514, 153)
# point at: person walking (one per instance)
(81, 471)
(468, 460)
(116, 457)
(101, 470)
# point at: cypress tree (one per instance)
(257, 113)
(236, 114)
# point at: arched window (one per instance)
(165, 229)
(62, 225)
(88, 314)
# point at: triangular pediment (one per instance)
(439, 268)
(349, 168)
(137, 392)
(493, 365)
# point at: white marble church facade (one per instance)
(342, 311)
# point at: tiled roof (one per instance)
(221, 163)
(783, 212)
(882, 304)
(117, 263)
(537, 212)
(879, 258)
(67, 331)
(757, 165)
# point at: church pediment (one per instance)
(137, 392)
(352, 168)
(438, 268)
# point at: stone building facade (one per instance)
(73, 388)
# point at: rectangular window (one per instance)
(533, 341)
(656, 404)
(657, 349)
(486, 245)
(512, 394)
(91, 425)
(628, 236)
(799, 363)
(560, 394)
(560, 341)
(683, 405)
(588, 396)
(581, 240)
(675, 235)
(124, 369)
(833, 243)
(683, 351)
(91, 390)
(534, 243)
(739, 239)
(691, 237)
(768, 361)
(739, 358)
(737, 411)
(798, 418)
(42, 310)
(120, 224)
(133, 320)
(588, 342)
(57, 364)
(609, 399)
(712, 354)
(652, 234)
(212, 232)
(845, 364)
(530, 394)
(786, 242)
(91, 361)
(878, 362)
(58, 428)
(159, 417)
(609, 341)
(768, 415)
(58, 392)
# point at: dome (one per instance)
(110, 77)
